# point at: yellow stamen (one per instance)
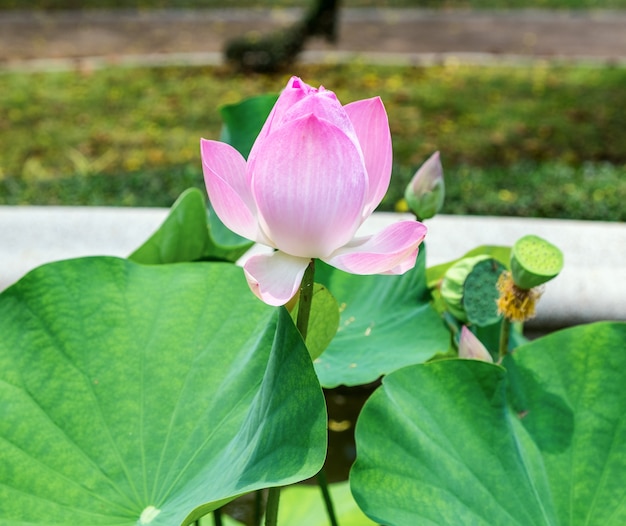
(515, 303)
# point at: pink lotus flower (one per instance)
(316, 171)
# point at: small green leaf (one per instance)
(386, 323)
(133, 394)
(447, 443)
(184, 235)
(243, 121)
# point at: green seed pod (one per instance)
(534, 261)
(452, 285)
(480, 292)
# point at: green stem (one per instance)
(258, 508)
(306, 299)
(271, 508)
(217, 517)
(304, 311)
(322, 482)
(505, 333)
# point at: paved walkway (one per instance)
(61, 39)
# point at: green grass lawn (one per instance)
(543, 141)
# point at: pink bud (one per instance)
(426, 191)
(472, 348)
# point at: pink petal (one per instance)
(471, 347)
(309, 183)
(393, 250)
(294, 92)
(225, 178)
(370, 122)
(325, 106)
(428, 175)
(275, 278)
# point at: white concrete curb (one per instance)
(591, 287)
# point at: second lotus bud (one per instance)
(471, 348)
(426, 191)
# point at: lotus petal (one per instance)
(301, 181)
(393, 250)
(275, 278)
(370, 122)
(225, 178)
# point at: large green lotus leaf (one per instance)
(568, 390)
(188, 234)
(134, 395)
(386, 323)
(243, 121)
(449, 443)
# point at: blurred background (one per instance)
(103, 102)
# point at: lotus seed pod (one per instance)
(453, 283)
(534, 261)
(480, 293)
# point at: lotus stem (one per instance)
(302, 323)
(306, 299)
(304, 310)
(271, 509)
(322, 482)
(505, 333)
(258, 507)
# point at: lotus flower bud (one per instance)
(426, 191)
(472, 348)
(315, 173)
